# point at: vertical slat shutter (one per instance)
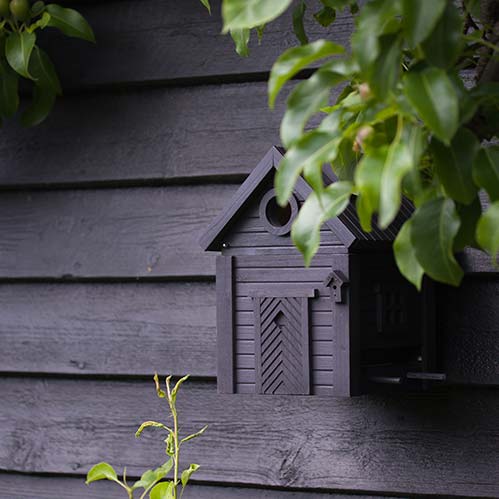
(282, 345)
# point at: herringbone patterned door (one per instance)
(281, 345)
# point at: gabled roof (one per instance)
(346, 226)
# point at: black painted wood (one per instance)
(345, 332)
(108, 329)
(225, 324)
(282, 335)
(149, 135)
(440, 443)
(468, 319)
(156, 41)
(108, 233)
(52, 487)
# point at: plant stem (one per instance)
(177, 451)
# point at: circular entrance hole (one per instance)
(278, 216)
(277, 219)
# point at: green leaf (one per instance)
(298, 27)
(70, 22)
(402, 157)
(259, 32)
(241, 39)
(454, 165)
(150, 477)
(385, 71)
(434, 227)
(43, 71)
(9, 96)
(486, 171)
(467, 104)
(101, 471)
(40, 107)
(159, 392)
(149, 424)
(473, 8)
(40, 23)
(337, 4)
(238, 14)
(307, 98)
(18, 49)
(163, 490)
(368, 183)
(314, 212)
(420, 17)
(310, 152)
(170, 444)
(433, 96)
(194, 435)
(206, 3)
(326, 16)
(37, 8)
(443, 46)
(294, 60)
(177, 387)
(186, 474)
(486, 91)
(469, 216)
(487, 232)
(405, 256)
(374, 20)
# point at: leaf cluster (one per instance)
(21, 57)
(151, 482)
(404, 125)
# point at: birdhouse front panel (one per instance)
(283, 325)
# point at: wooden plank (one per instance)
(116, 233)
(58, 487)
(108, 329)
(156, 135)
(399, 443)
(318, 318)
(475, 261)
(321, 333)
(245, 304)
(151, 41)
(315, 276)
(346, 350)
(225, 324)
(468, 326)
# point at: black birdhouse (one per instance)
(321, 330)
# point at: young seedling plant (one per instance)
(151, 481)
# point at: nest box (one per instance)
(322, 330)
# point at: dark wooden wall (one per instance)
(102, 282)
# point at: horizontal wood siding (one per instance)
(155, 135)
(250, 275)
(403, 443)
(102, 329)
(50, 487)
(108, 233)
(157, 41)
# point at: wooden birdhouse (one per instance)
(322, 330)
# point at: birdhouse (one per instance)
(347, 320)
